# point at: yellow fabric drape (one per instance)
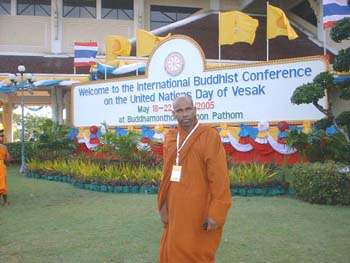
(236, 27)
(146, 42)
(278, 24)
(117, 46)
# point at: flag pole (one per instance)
(267, 40)
(267, 50)
(219, 44)
(324, 42)
(323, 31)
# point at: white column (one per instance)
(56, 26)
(59, 95)
(139, 19)
(56, 95)
(53, 97)
(7, 120)
(13, 7)
(68, 107)
(215, 5)
(98, 9)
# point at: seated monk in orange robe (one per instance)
(193, 203)
(4, 159)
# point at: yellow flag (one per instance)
(146, 42)
(278, 24)
(236, 27)
(117, 46)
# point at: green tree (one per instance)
(324, 84)
(340, 32)
(31, 125)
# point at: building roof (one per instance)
(40, 64)
(205, 32)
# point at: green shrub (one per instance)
(322, 183)
(15, 149)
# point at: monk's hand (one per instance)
(163, 212)
(212, 225)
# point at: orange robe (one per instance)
(3, 170)
(203, 190)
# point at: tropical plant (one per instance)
(251, 173)
(53, 141)
(124, 148)
(88, 170)
(317, 146)
(108, 143)
(127, 146)
(34, 165)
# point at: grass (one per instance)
(54, 222)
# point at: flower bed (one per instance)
(151, 187)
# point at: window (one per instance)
(34, 7)
(165, 15)
(79, 8)
(5, 7)
(122, 9)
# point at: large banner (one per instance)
(231, 94)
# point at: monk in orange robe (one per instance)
(4, 159)
(194, 195)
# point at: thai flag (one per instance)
(85, 53)
(334, 10)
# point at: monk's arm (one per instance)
(219, 184)
(164, 185)
(163, 212)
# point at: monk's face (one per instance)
(184, 112)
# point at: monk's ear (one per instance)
(173, 112)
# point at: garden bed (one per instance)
(123, 186)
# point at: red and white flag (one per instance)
(335, 10)
(85, 53)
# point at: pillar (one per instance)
(59, 94)
(56, 26)
(215, 5)
(68, 107)
(7, 121)
(139, 19)
(57, 104)
(53, 98)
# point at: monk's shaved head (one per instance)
(184, 112)
(183, 97)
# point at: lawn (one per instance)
(49, 221)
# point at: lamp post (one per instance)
(28, 84)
